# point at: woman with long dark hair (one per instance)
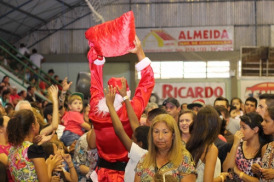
(266, 170)
(204, 132)
(246, 149)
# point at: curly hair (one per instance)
(19, 126)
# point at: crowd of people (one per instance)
(117, 139)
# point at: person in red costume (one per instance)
(112, 154)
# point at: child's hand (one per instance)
(67, 158)
(72, 147)
(54, 161)
(54, 92)
(110, 95)
(65, 85)
(123, 89)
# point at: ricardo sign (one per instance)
(187, 92)
(187, 39)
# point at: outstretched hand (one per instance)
(53, 90)
(138, 49)
(46, 138)
(110, 95)
(65, 84)
(123, 89)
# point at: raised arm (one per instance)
(147, 82)
(96, 88)
(72, 175)
(117, 125)
(133, 120)
(230, 158)
(55, 120)
(65, 88)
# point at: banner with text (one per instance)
(191, 39)
(254, 88)
(188, 92)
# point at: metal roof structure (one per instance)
(19, 18)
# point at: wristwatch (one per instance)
(125, 98)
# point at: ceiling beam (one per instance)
(8, 32)
(60, 29)
(22, 11)
(62, 2)
(4, 15)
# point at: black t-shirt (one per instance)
(223, 148)
(36, 151)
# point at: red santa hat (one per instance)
(117, 82)
(198, 103)
(102, 107)
(112, 38)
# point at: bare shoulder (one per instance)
(212, 148)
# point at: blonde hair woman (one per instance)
(166, 155)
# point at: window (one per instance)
(240, 68)
(190, 69)
(195, 69)
(173, 70)
(218, 69)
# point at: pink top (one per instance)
(5, 149)
(72, 122)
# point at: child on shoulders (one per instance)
(73, 120)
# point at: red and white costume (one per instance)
(109, 147)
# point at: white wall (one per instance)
(71, 70)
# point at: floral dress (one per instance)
(268, 156)
(83, 156)
(186, 167)
(20, 165)
(245, 164)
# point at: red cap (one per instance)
(117, 82)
